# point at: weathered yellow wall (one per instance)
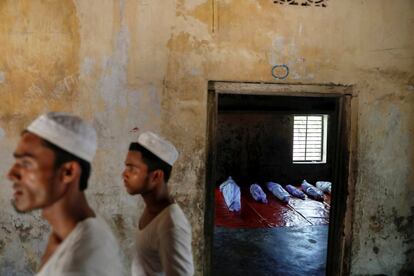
(145, 63)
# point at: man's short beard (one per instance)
(13, 203)
(146, 187)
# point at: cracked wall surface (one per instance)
(129, 65)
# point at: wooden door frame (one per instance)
(340, 227)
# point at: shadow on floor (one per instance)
(283, 251)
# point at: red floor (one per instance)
(253, 214)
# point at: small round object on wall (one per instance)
(280, 71)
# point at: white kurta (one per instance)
(90, 249)
(163, 247)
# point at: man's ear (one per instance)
(157, 175)
(70, 172)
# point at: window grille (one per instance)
(309, 138)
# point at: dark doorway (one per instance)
(251, 139)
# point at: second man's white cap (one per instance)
(159, 146)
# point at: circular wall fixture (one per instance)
(280, 71)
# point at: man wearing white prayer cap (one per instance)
(163, 239)
(51, 171)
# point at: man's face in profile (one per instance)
(33, 174)
(135, 174)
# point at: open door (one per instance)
(337, 243)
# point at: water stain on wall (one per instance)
(44, 75)
(39, 64)
(128, 63)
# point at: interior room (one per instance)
(258, 141)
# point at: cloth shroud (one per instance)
(231, 194)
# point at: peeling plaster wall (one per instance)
(127, 64)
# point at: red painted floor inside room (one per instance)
(275, 213)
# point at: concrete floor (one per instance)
(283, 251)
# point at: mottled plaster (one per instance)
(140, 64)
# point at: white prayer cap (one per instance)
(159, 146)
(68, 132)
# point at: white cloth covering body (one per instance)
(90, 249)
(163, 247)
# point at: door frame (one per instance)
(345, 162)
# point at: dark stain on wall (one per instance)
(120, 225)
(377, 222)
(2, 245)
(5, 229)
(405, 226)
(23, 232)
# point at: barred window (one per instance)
(309, 138)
